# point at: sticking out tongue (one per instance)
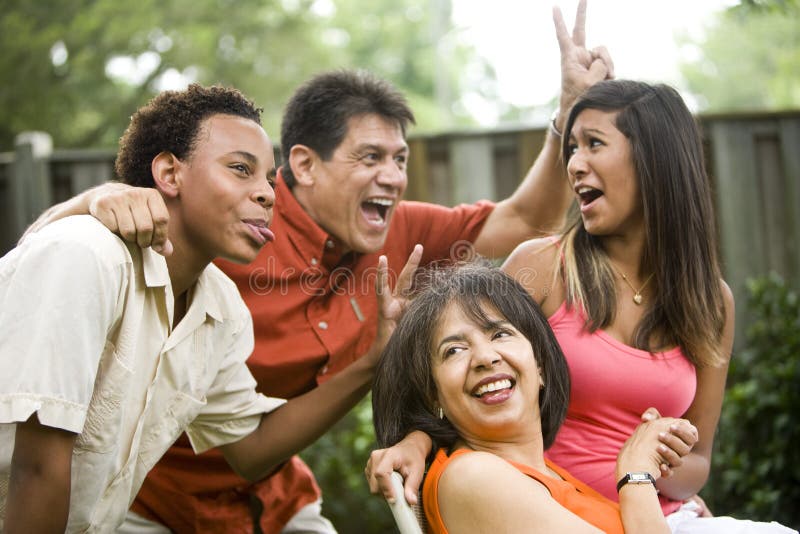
(266, 233)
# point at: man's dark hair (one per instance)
(318, 112)
(171, 122)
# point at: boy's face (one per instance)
(226, 193)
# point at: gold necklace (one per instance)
(637, 294)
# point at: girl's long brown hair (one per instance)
(680, 234)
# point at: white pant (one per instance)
(308, 520)
(685, 521)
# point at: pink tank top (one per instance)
(612, 384)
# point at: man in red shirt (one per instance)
(311, 292)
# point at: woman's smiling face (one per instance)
(486, 376)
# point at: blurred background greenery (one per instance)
(78, 69)
(756, 464)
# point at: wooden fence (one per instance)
(754, 161)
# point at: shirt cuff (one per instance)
(56, 413)
(204, 436)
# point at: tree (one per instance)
(782, 5)
(79, 69)
(749, 58)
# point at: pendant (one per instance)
(637, 298)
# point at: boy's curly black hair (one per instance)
(171, 122)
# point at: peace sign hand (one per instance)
(580, 67)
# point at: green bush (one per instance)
(338, 459)
(756, 464)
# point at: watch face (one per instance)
(639, 477)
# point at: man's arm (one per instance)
(137, 214)
(39, 486)
(290, 428)
(539, 204)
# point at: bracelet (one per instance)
(552, 126)
(636, 478)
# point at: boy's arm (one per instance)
(290, 428)
(39, 486)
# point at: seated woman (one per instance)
(474, 364)
(659, 336)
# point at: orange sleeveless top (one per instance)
(571, 493)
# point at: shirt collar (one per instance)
(156, 274)
(204, 299)
(314, 243)
(155, 269)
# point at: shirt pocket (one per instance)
(170, 421)
(101, 430)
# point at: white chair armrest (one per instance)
(403, 514)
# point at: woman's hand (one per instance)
(673, 443)
(656, 442)
(580, 67)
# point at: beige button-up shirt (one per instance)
(86, 342)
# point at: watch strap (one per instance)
(642, 477)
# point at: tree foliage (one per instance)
(79, 69)
(760, 5)
(749, 59)
(756, 464)
(338, 460)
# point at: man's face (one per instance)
(356, 191)
(226, 193)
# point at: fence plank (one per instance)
(30, 186)
(739, 208)
(471, 168)
(790, 158)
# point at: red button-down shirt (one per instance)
(314, 312)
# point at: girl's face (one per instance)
(486, 376)
(602, 174)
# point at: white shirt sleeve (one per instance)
(233, 407)
(58, 299)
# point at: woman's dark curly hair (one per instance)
(404, 393)
(171, 122)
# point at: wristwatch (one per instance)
(636, 478)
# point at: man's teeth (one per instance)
(381, 201)
(493, 386)
(584, 189)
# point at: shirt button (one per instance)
(324, 370)
(313, 261)
(329, 243)
(323, 325)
